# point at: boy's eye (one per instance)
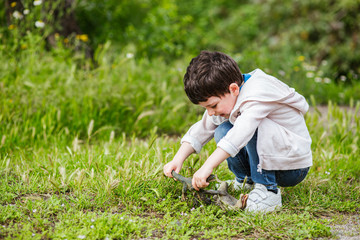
(214, 106)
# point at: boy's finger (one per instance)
(168, 173)
(193, 183)
(202, 184)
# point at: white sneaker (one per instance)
(262, 200)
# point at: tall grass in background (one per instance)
(53, 96)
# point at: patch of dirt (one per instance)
(345, 227)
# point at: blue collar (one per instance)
(246, 77)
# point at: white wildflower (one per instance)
(309, 74)
(34, 211)
(39, 24)
(327, 80)
(92, 226)
(281, 73)
(26, 11)
(129, 55)
(81, 236)
(37, 2)
(343, 78)
(312, 68)
(309, 67)
(92, 220)
(17, 15)
(318, 79)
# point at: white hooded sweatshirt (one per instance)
(276, 110)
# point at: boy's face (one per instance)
(222, 106)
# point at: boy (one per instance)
(258, 124)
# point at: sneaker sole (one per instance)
(266, 210)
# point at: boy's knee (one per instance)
(221, 131)
(291, 178)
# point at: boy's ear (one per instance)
(234, 89)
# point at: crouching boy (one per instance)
(258, 124)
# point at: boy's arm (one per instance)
(200, 133)
(199, 178)
(184, 151)
(197, 136)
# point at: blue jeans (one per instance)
(245, 163)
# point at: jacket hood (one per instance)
(262, 87)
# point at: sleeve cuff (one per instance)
(228, 147)
(193, 141)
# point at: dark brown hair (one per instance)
(210, 74)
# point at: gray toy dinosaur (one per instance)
(222, 197)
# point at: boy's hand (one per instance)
(199, 178)
(170, 166)
(176, 164)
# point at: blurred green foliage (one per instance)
(50, 92)
(321, 30)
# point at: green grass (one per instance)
(116, 189)
(82, 149)
(83, 143)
